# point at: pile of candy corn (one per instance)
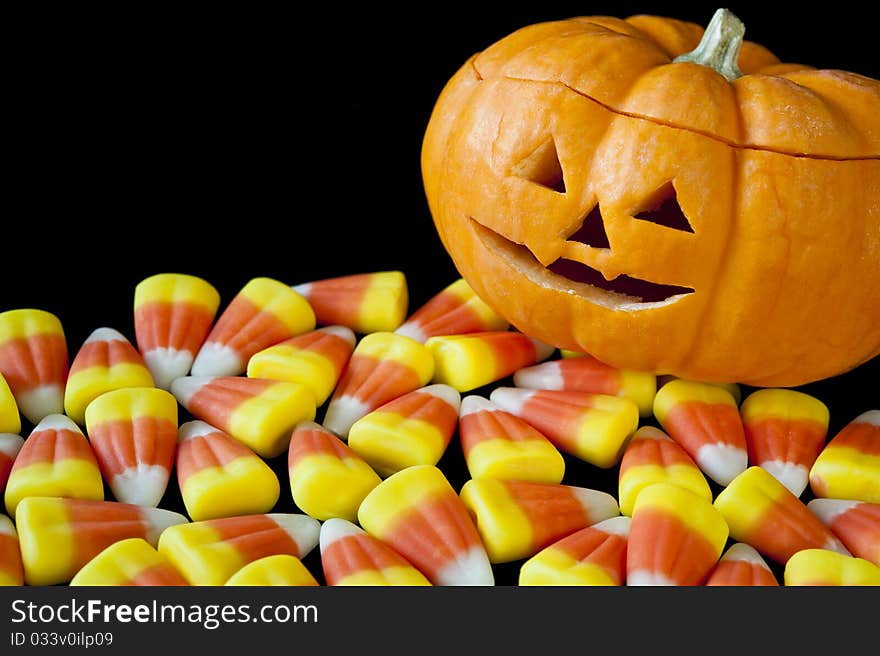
(362, 403)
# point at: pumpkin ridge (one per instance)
(704, 133)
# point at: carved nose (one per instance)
(592, 231)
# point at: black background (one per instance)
(238, 143)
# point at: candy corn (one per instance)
(364, 302)
(676, 537)
(849, 465)
(732, 388)
(352, 557)
(855, 523)
(281, 569)
(34, 361)
(595, 555)
(761, 512)
(785, 431)
(258, 413)
(455, 310)
(59, 536)
(315, 359)
(587, 374)
(382, 367)
(130, 562)
(133, 432)
(106, 361)
(815, 567)
(417, 512)
(10, 421)
(469, 361)
(55, 461)
(10, 445)
(327, 478)
(741, 565)
(211, 551)
(263, 313)
(592, 427)
(498, 444)
(413, 429)
(516, 519)
(704, 419)
(652, 457)
(11, 572)
(173, 313)
(220, 477)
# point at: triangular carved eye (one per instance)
(592, 231)
(542, 167)
(663, 209)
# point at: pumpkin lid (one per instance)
(627, 66)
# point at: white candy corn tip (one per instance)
(471, 568)
(745, 553)
(215, 359)
(827, 510)
(644, 577)
(106, 335)
(342, 412)
(476, 403)
(833, 544)
(7, 527)
(547, 375)
(335, 529)
(542, 349)
(871, 417)
(412, 330)
(56, 422)
(192, 429)
(722, 462)
(511, 399)
(143, 485)
(303, 289)
(184, 388)
(597, 505)
(41, 401)
(167, 364)
(157, 520)
(619, 525)
(302, 529)
(794, 477)
(446, 393)
(10, 444)
(342, 332)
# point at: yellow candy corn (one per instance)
(498, 444)
(849, 465)
(34, 361)
(258, 413)
(55, 461)
(11, 572)
(10, 420)
(173, 313)
(263, 313)
(315, 359)
(652, 457)
(220, 477)
(282, 569)
(130, 562)
(413, 429)
(516, 519)
(365, 302)
(106, 361)
(211, 551)
(327, 478)
(469, 361)
(813, 567)
(59, 536)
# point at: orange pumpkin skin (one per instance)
(777, 173)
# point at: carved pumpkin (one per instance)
(713, 215)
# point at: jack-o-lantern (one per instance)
(713, 215)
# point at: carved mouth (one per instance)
(571, 277)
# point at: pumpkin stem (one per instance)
(719, 47)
